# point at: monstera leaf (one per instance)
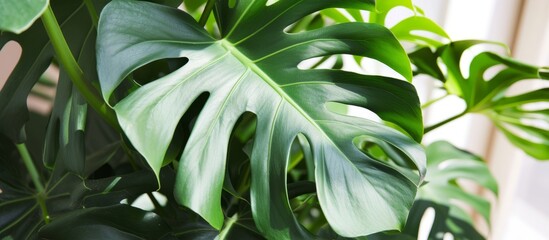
(18, 15)
(253, 68)
(486, 93)
(446, 165)
(412, 28)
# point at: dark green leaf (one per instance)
(114, 222)
(36, 57)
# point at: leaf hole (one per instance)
(145, 201)
(383, 152)
(42, 95)
(537, 106)
(329, 62)
(428, 35)
(300, 165)
(238, 169)
(184, 128)
(300, 185)
(271, 2)
(306, 209)
(145, 74)
(539, 122)
(448, 236)
(426, 223)
(347, 62)
(524, 86)
(9, 57)
(492, 71)
(536, 137)
(470, 53)
(157, 69)
(397, 14)
(353, 111)
(369, 147)
(442, 66)
(309, 22)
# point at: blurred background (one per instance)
(522, 211)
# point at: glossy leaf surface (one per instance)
(254, 69)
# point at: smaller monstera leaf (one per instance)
(17, 16)
(253, 68)
(412, 28)
(520, 117)
(446, 165)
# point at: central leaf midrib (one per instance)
(251, 65)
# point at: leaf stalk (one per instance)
(432, 101)
(437, 125)
(228, 225)
(206, 13)
(93, 13)
(29, 164)
(69, 64)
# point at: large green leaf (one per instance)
(254, 69)
(488, 95)
(18, 15)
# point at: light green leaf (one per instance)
(409, 28)
(18, 15)
(254, 69)
(487, 93)
(412, 29)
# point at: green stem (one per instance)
(435, 126)
(430, 102)
(228, 225)
(29, 164)
(69, 64)
(41, 198)
(25, 155)
(206, 13)
(93, 13)
(159, 209)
